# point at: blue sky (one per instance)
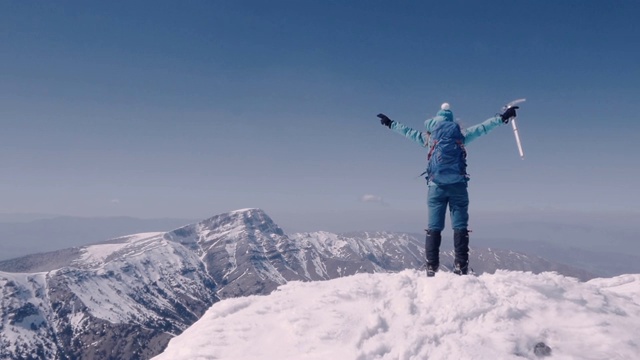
(190, 109)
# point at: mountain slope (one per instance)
(21, 238)
(119, 300)
(406, 315)
(126, 297)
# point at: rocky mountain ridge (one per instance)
(126, 297)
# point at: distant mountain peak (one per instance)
(251, 219)
(247, 210)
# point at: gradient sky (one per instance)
(193, 108)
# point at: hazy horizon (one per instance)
(574, 239)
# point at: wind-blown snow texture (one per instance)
(408, 316)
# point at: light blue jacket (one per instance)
(471, 133)
(422, 137)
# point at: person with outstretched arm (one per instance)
(447, 178)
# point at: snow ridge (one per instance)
(406, 315)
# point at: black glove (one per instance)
(384, 120)
(509, 114)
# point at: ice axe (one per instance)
(513, 124)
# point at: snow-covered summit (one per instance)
(233, 224)
(408, 316)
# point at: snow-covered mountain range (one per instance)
(123, 299)
(126, 297)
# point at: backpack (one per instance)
(447, 158)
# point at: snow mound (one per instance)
(409, 316)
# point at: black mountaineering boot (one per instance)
(461, 245)
(432, 249)
(461, 268)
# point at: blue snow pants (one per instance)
(456, 197)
